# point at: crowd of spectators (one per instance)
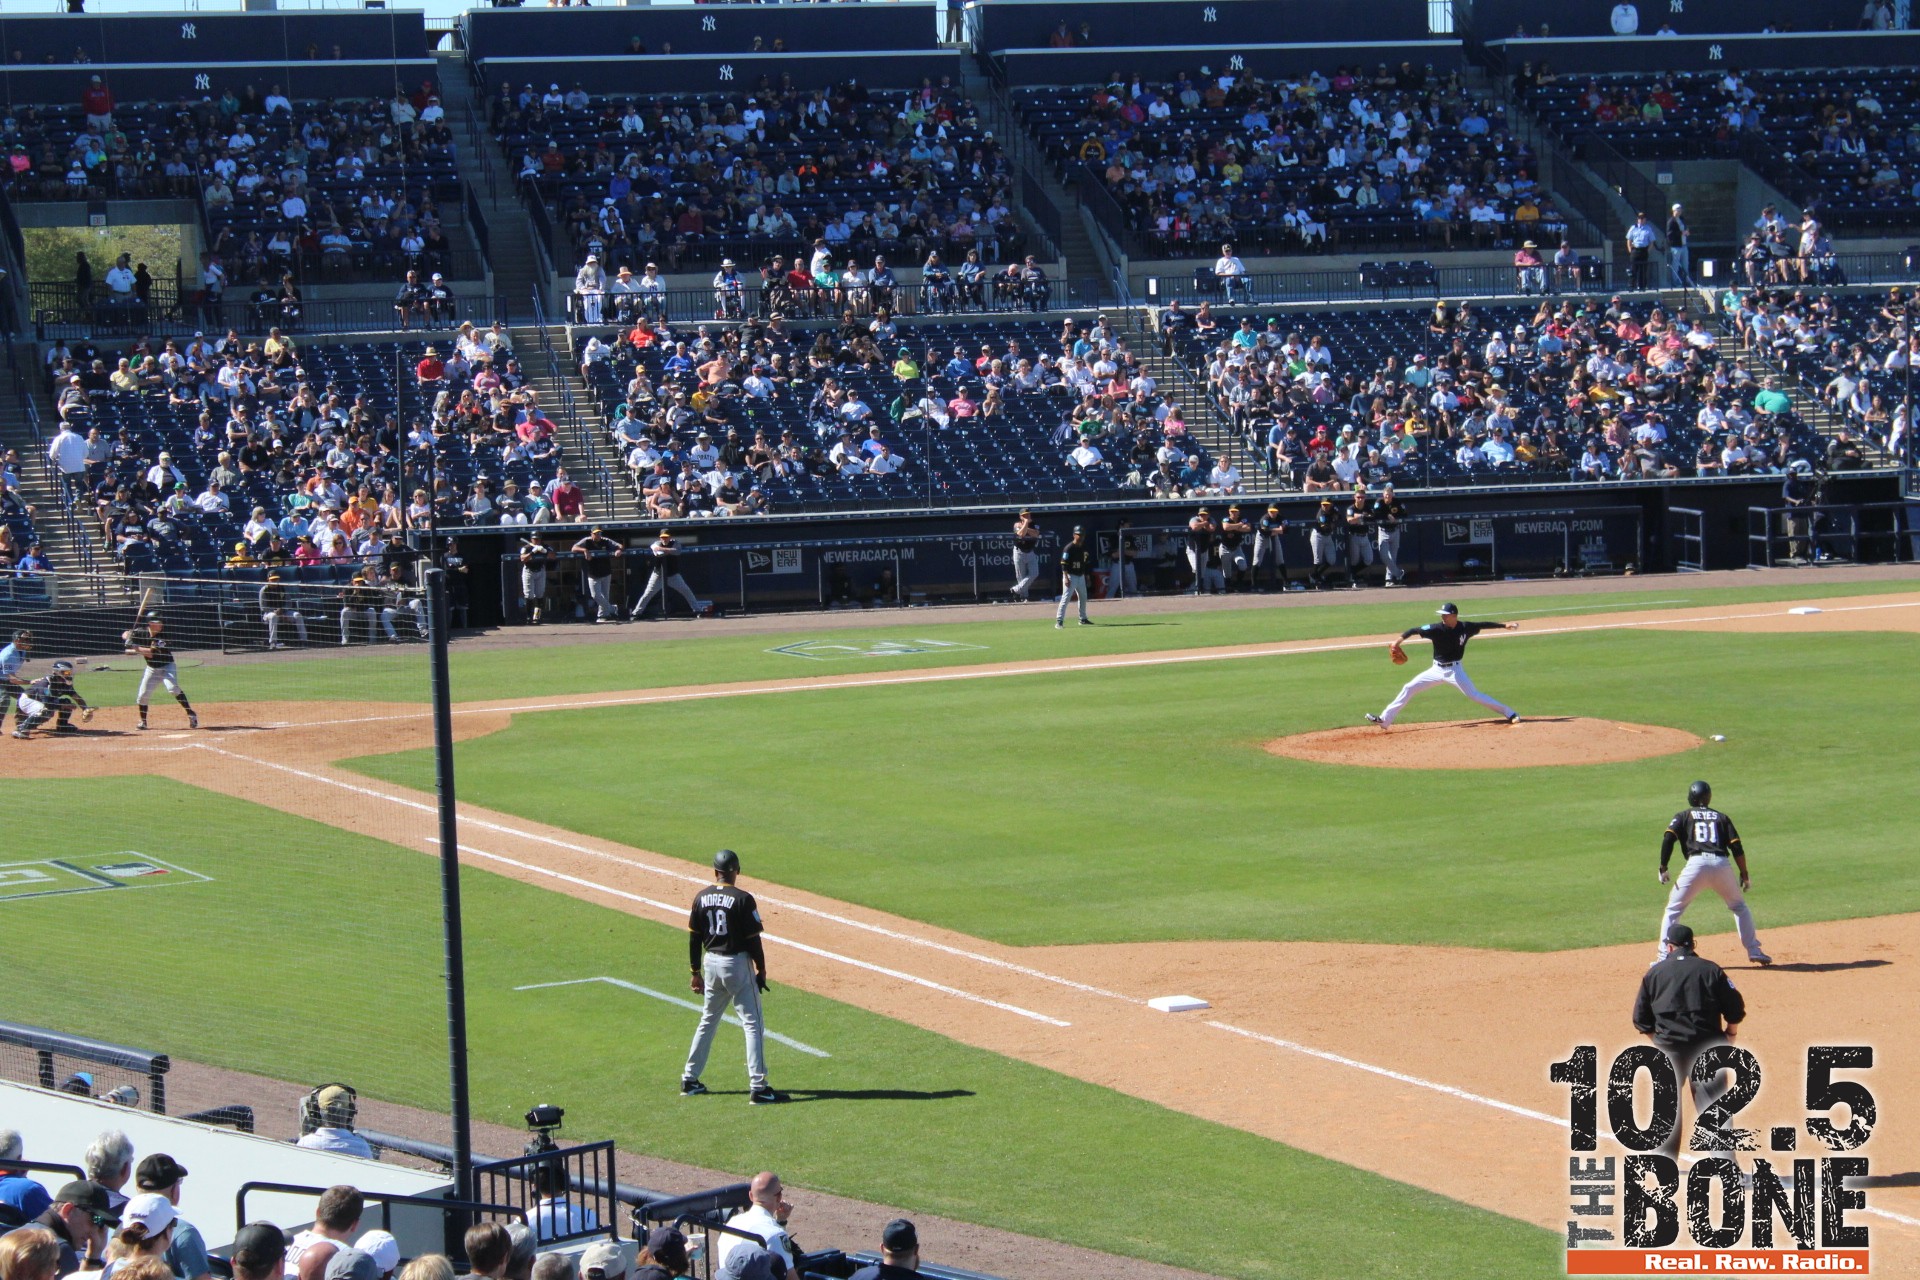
(1853, 353)
(1299, 165)
(736, 420)
(1580, 389)
(1848, 144)
(308, 187)
(274, 454)
(686, 181)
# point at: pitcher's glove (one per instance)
(86, 716)
(1399, 656)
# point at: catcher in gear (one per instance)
(51, 697)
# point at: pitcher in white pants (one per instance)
(1449, 638)
(1715, 860)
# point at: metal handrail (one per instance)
(563, 376)
(386, 1200)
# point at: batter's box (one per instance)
(829, 650)
(51, 877)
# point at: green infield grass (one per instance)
(306, 953)
(1138, 804)
(715, 654)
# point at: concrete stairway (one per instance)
(575, 443)
(510, 252)
(66, 553)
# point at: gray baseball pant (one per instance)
(729, 981)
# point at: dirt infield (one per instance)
(1444, 1051)
(1487, 744)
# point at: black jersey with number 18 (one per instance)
(1704, 831)
(724, 920)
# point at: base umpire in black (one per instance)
(1688, 1005)
(729, 967)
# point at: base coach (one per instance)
(1688, 1005)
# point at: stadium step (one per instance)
(510, 252)
(576, 442)
(63, 541)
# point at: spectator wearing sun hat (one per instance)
(604, 1260)
(161, 1175)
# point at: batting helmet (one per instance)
(1699, 793)
(63, 668)
(23, 637)
(1079, 530)
(727, 861)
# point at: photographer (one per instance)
(1801, 493)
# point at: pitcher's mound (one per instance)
(1486, 744)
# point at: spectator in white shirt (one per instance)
(885, 462)
(120, 279)
(766, 1218)
(211, 500)
(1232, 274)
(1626, 20)
(1085, 456)
(1224, 479)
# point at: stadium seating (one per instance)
(1841, 350)
(1391, 421)
(1199, 162)
(343, 448)
(1019, 454)
(264, 178)
(1847, 146)
(681, 179)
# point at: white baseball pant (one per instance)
(1074, 584)
(1389, 540)
(656, 581)
(1026, 571)
(168, 677)
(729, 980)
(368, 616)
(273, 618)
(1705, 871)
(600, 590)
(1452, 673)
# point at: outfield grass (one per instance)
(718, 654)
(1137, 804)
(313, 955)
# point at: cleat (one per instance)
(1086, 622)
(1513, 719)
(691, 1088)
(1058, 625)
(141, 725)
(1374, 719)
(1763, 960)
(765, 1095)
(20, 734)
(193, 721)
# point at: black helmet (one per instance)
(727, 861)
(1699, 794)
(23, 636)
(1079, 530)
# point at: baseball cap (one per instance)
(158, 1172)
(258, 1243)
(1448, 607)
(900, 1236)
(668, 1247)
(150, 1210)
(351, 1264)
(1681, 935)
(603, 1260)
(90, 1196)
(382, 1248)
(746, 1262)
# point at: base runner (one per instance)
(1076, 565)
(729, 964)
(1715, 859)
(1449, 638)
(161, 669)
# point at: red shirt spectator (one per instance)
(431, 368)
(96, 99)
(534, 429)
(568, 499)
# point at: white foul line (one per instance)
(1464, 1095)
(928, 983)
(789, 1041)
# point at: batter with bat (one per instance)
(161, 669)
(1449, 638)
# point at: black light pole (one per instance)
(459, 1101)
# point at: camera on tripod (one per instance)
(542, 1123)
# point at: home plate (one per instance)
(1177, 1004)
(1803, 608)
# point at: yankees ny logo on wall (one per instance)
(1770, 1214)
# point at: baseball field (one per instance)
(981, 845)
